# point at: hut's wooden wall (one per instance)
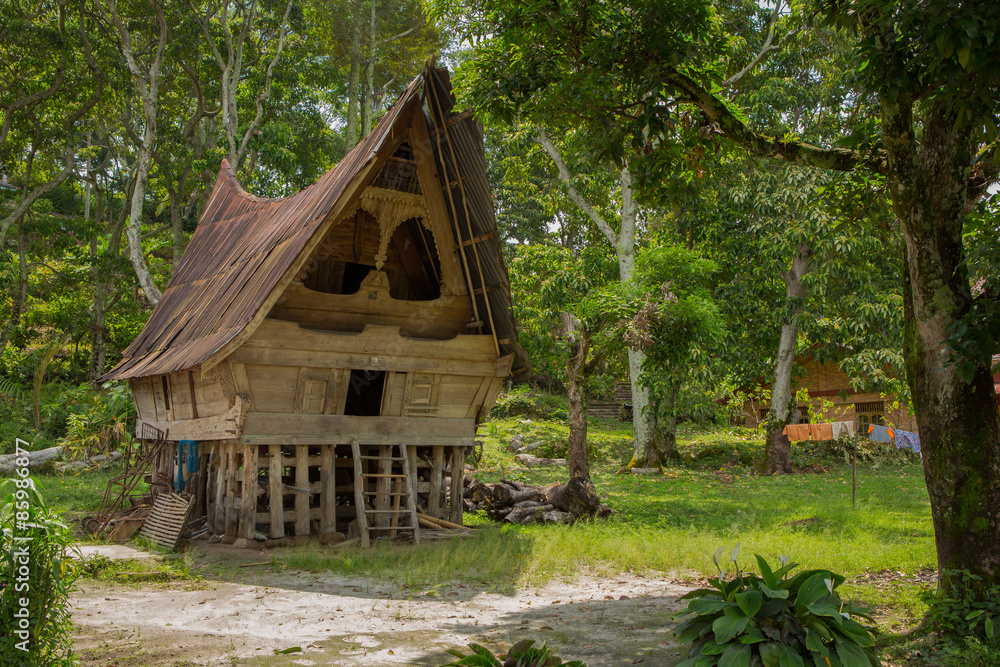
(441, 318)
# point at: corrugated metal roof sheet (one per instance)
(464, 161)
(244, 245)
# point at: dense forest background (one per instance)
(651, 235)
(117, 116)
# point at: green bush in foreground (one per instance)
(967, 620)
(968, 609)
(521, 654)
(772, 620)
(35, 569)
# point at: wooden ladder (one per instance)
(393, 493)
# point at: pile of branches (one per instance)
(516, 502)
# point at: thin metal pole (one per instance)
(854, 474)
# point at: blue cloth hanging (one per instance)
(179, 481)
(192, 455)
(908, 439)
(188, 448)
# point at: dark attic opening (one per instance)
(389, 232)
(420, 278)
(354, 273)
(364, 393)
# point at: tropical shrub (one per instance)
(103, 427)
(774, 620)
(34, 568)
(967, 609)
(521, 654)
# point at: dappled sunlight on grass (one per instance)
(673, 522)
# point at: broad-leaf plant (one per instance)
(774, 620)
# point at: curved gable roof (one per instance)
(242, 248)
(232, 270)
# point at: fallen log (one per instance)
(535, 462)
(36, 459)
(515, 502)
(86, 464)
(526, 515)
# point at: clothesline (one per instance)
(836, 430)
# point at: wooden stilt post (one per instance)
(210, 493)
(276, 491)
(457, 483)
(397, 490)
(302, 482)
(232, 511)
(248, 509)
(328, 497)
(220, 488)
(437, 482)
(359, 494)
(411, 456)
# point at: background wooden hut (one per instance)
(335, 350)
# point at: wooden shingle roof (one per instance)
(246, 249)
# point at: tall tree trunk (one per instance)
(367, 96)
(354, 80)
(20, 300)
(956, 413)
(665, 425)
(98, 312)
(642, 415)
(104, 287)
(576, 338)
(623, 242)
(147, 83)
(777, 447)
(176, 227)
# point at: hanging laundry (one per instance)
(796, 432)
(908, 439)
(821, 431)
(842, 429)
(880, 433)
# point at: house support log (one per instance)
(248, 507)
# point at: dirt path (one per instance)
(345, 621)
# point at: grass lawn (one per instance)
(670, 524)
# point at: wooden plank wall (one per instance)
(441, 318)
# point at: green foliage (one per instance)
(965, 652)
(39, 571)
(869, 452)
(546, 280)
(522, 401)
(69, 414)
(969, 608)
(103, 427)
(774, 619)
(521, 654)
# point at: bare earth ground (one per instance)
(622, 620)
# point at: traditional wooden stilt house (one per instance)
(334, 351)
